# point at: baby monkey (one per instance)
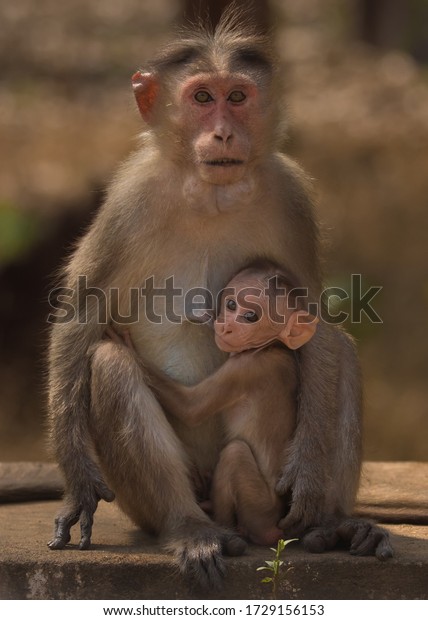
(255, 392)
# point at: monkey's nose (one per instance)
(228, 327)
(223, 328)
(223, 137)
(223, 130)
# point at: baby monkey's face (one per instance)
(246, 319)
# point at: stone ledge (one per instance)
(124, 564)
(24, 482)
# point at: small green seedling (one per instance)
(276, 565)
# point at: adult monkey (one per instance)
(205, 194)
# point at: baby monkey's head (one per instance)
(261, 305)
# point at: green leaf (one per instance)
(263, 568)
(267, 580)
(287, 542)
(271, 564)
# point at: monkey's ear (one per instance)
(146, 88)
(300, 328)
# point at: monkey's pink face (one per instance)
(222, 118)
(243, 322)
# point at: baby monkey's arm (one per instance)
(194, 404)
(237, 377)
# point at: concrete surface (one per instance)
(21, 482)
(124, 564)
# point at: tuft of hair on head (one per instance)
(238, 34)
(239, 21)
(235, 42)
(267, 269)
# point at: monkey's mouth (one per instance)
(223, 161)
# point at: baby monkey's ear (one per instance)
(300, 328)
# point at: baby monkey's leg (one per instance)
(241, 496)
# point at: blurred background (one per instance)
(356, 96)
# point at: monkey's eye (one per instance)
(231, 305)
(202, 96)
(250, 316)
(237, 96)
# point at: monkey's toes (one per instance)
(384, 550)
(197, 546)
(366, 538)
(234, 545)
(203, 564)
(105, 493)
(58, 542)
(320, 540)
(108, 496)
(292, 526)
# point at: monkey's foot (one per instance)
(365, 538)
(360, 536)
(83, 512)
(198, 547)
(64, 521)
(321, 539)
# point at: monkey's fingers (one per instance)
(321, 539)
(384, 549)
(376, 543)
(104, 492)
(233, 545)
(356, 533)
(86, 523)
(89, 506)
(63, 524)
(202, 561)
(292, 528)
(197, 546)
(303, 514)
(211, 571)
(365, 538)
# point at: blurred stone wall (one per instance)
(359, 124)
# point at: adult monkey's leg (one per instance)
(329, 427)
(146, 465)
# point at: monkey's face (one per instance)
(244, 321)
(221, 120)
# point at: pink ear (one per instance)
(146, 88)
(300, 328)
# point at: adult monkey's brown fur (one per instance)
(205, 194)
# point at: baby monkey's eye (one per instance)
(237, 96)
(250, 316)
(202, 96)
(231, 304)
